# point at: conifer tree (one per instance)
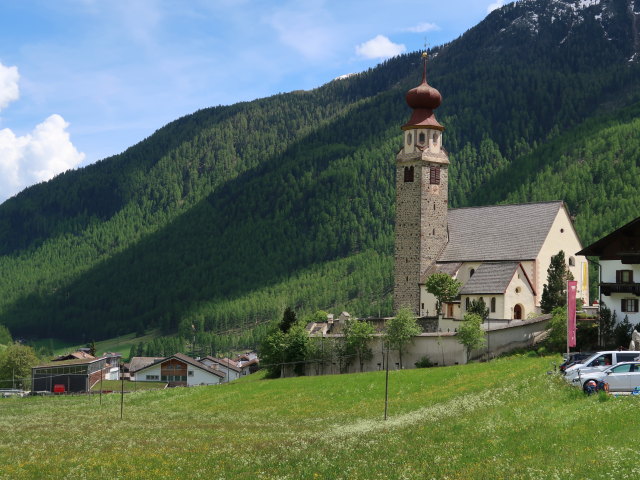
(554, 292)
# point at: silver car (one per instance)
(623, 377)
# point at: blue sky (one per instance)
(81, 80)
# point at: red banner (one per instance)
(572, 287)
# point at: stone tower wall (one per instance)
(421, 223)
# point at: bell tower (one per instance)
(422, 180)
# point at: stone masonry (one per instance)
(421, 213)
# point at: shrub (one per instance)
(424, 362)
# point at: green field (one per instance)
(506, 419)
(116, 386)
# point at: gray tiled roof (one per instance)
(490, 278)
(449, 268)
(499, 232)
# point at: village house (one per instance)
(619, 260)
(176, 370)
(229, 367)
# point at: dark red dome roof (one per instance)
(423, 99)
(424, 96)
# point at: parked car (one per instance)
(623, 377)
(573, 358)
(599, 361)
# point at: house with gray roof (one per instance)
(176, 370)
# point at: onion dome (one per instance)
(423, 99)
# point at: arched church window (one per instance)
(408, 174)
(471, 272)
(435, 139)
(572, 262)
(409, 139)
(421, 138)
(493, 304)
(466, 303)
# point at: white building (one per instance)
(229, 367)
(178, 370)
(619, 258)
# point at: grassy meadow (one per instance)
(506, 419)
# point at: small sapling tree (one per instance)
(470, 333)
(400, 331)
(357, 334)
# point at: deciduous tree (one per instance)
(15, 363)
(470, 333)
(400, 330)
(357, 335)
(443, 287)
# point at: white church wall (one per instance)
(518, 292)
(465, 270)
(562, 236)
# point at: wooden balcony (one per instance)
(609, 288)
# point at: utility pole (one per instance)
(121, 391)
(386, 385)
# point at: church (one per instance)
(499, 253)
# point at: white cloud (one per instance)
(495, 5)
(423, 27)
(380, 47)
(35, 157)
(9, 90)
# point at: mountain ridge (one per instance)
(221, 204)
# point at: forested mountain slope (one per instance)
(223, 217)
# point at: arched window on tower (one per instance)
(421, 138)
(434, 175)
(408, 174)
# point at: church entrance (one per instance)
(517, 312)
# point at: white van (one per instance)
(599, 361)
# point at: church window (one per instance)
(493, 304)
(434, 175)
(409, 138)
(434, 231)
(471, 272)
(434, 206)
(572, 262)
(435, 139)
(421, 138)
(408, 174)
(518, 289)
(466, 303)
(562, 230)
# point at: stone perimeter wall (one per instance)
(444, 349)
